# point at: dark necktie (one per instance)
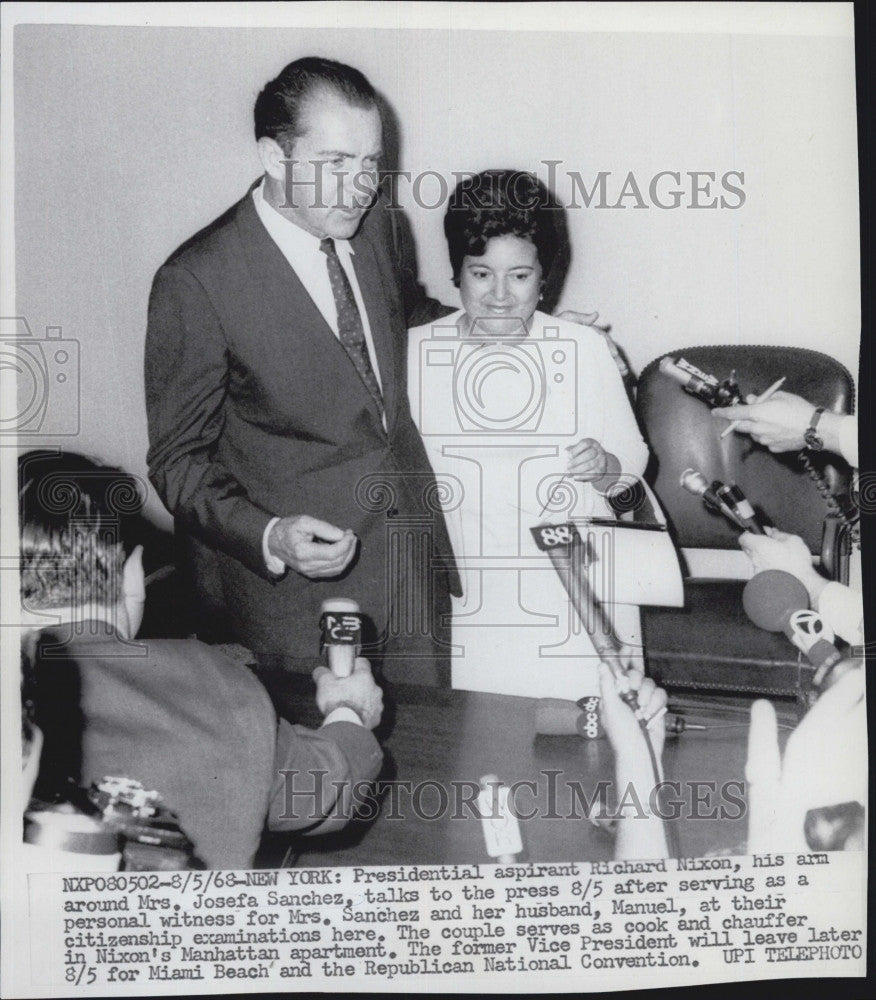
(351, 332)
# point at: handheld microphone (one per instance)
(340, 627)
(697, 484)
(743, 510)
(777, 602)
(700, 384)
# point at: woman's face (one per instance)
(500, 289)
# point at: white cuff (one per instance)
(342, 714)
(275, 565)
(843, 609)
(848, 439)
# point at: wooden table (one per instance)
(437, 738)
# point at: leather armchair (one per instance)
(709, 644)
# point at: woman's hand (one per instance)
(588, 460)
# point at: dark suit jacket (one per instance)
(255, 410)
(198, 728)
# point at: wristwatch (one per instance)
(814, 442)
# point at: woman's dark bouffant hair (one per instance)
(502, 203)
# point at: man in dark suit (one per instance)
(176, 715)
(280, 430)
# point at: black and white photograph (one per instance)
(432, 504)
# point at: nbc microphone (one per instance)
(340, 627)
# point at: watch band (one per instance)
(814, 442)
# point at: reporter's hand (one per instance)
(621, 725)
(313, 548)
(789, 553)
(779, 423)
(822, 765)
(358, 691)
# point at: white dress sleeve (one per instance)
(621, 436)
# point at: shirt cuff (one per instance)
(848, 440)
(843, 609)
(342, 714)
(275, 565)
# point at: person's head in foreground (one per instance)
(503, 240)
(72, 559)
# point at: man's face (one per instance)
(331, 176)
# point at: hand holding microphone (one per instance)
(347, 681)
(779, 550)
(624, 727)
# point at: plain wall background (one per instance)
(128, 140)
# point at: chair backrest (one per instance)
(683, 434)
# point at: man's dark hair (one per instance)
(72, 513)
(501, 203)
(278, 106)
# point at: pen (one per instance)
(614, 523)
(762, 398)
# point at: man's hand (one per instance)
(358, 691)
(313, 548)
(622, 727)
(789, 553)
(779, 423)
(822, 766)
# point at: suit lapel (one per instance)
(284, 299)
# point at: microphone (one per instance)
(697, 484)
(777, 602)
(700, 384)
(742, 509)
(340, 627)
(558, 717)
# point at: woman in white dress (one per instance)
(526, 421)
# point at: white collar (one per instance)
(289, 234)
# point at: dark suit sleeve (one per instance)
(186, 373)
(321, 776)
(418, 306)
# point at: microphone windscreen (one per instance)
(771, 596)
(339, 604)
(556, 717)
